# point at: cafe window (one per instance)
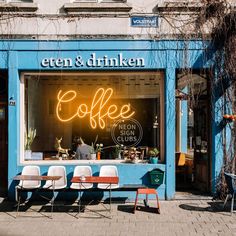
(109, 113)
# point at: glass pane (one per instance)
(20, 1)
(109, 108)
(2, 113)
(99, 1)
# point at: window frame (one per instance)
(95, 6)
(17, 1)
(100, 1)
(22, 161)
(18, 6)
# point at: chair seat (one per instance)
(28, 186)
(147, 191)
(58, 184)
(107, 186)
(49, 186)
(81, 186)
(108, 171)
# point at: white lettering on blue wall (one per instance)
(93, 61)
(56, 62)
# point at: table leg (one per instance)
(53, 190)
(80, 186)
(79, 207)
(110, 198)
(18, 202)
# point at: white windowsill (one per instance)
(96, 7)
(78, 162)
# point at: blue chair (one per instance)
(230, 181)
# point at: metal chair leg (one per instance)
(18, 205)
(146, 200)
(110, 198)
(53, 197)
(232, 204)
(226, 199)
(79, 200)
(52, 203)
(136, 200)
(158, 205)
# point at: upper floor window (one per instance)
(16, 0)
(97, 6)
(98, 1)
(18, 5)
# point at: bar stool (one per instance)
(147, 191)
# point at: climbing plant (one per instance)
(211, 21)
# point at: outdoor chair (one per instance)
(27, 184)
(78, 172)
(56, 171)
(147, 191)
(57, 184)
(180, 165)
(82, 171)
(230, 181)
(108, 171)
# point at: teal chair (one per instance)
(230, 181)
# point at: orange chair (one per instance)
(147, 191)
(180, 164)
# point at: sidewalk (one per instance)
(187, 215)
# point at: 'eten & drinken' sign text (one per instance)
(93, 61)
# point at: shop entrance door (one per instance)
(193, 131)
(3, 136)
(201, 145)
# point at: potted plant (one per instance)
(118, 150)
(93, 154)
(131, 155)
(98, 150)
(29, 138)
(154, 153)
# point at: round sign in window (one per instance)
(127, 132)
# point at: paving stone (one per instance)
(179, 217)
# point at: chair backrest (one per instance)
(57, 171)
(230, 182)
(30, 170)
(79, 171)
(108, 171)
(180, 159)
(82, 170)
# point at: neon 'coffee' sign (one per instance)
(98, 111)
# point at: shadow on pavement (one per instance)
(130, 209)
(216, 206)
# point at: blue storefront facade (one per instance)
(25, 58)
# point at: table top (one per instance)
(36, 177)
(96, 179)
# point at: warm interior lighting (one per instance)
(97, 112)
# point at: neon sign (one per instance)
(127, 132)
(97, 112)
